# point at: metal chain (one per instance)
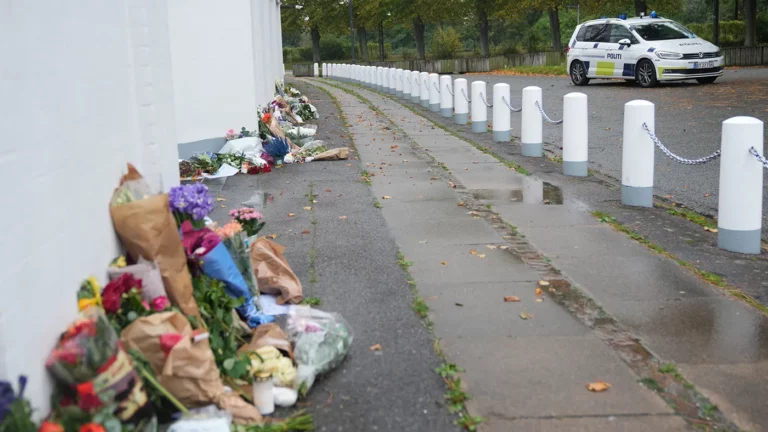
(482, 98)
(465, 95)
(434, 84)
(447, 87)
(546, 117)
(762, 159)
(503, 99)
(677, 158)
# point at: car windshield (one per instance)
(664, 30)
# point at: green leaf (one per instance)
(229, 363)
(132, 316)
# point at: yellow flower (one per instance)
(96, 288)
(84, 304)
(119, 262)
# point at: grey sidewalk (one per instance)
(719, 344)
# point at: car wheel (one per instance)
(579, 73)
(645, 74)
(707, 80)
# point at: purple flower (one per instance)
(192, 200)
(8, 397)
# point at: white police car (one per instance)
(644, 49)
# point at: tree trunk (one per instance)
(362, 37)
(381, 41)
(750, 16)
(735, 10)
(554, 26)
(716, 23)
(483, 17)
(418, 30)
(315, 43)
(641, 6)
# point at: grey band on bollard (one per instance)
(747, 242)
(400, 94)
(575, 169)
(532, 150)
(502, 136)
(446, 112)
(425, 103)
(415, 99)
(480, 126)
(637, 196)
(461, 119)
(435, 107)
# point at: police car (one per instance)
(644, 49)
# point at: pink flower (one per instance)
(169, 340)
(233, 212)
(146, 305)
(231, 131)
(160, 303)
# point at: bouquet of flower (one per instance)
(249, 219)
(291, 91)
(187, 170)
(232, 135)
(89, 294)
(234, 239)
(191, 202)
(124, 304)
(15, 411)
(206, 162)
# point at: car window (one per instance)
(665, 30)
(582, 34)
(598, 33)
(619, 32)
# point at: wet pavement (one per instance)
(529, 374)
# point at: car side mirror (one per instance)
(625, 41)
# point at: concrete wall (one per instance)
(86, 87)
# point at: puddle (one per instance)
(258, 200)
(533, 191)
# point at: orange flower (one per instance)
(50, 427)
(92, 427)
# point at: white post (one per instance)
(434, 92)
(740, 202)
(479, 110)
(532, 123)
(406, 94)
(356, 73)
(368, 76)
(324, 70)
(424, 89)
(446, 100)
(331, 71)
(575, 134)
(385, 80)
(379, 77)
(460, 104)
(637, 154)
(399, 82)
(315, 70)
(502, 117)
(415, 87)
(392, 81)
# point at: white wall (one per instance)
(86, 87)
(211, 55)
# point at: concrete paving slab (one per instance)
(478, 310)
(655, 423)
(735, 390)
(544, 216)
(459, 231)
(547, 376)
(582, 241)
(416, 191)
(698, 330)
(423, 210)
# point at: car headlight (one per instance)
(668, 55)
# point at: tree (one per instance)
(554, 26)
(750, 18)
(418, 13)
(317, 16)
(529, 7)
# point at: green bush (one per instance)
(373, 50)
(445, 43)
(731, 32)
(334, 48)
(409, 54)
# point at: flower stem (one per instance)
(161, 389)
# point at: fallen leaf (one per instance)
(433, 178)
(607, 128)
(273, 236)
(481, 255)
(543, 283)
(386, 197)
(223, 206)
(342, 217)
(452, 185)
(510, 299)
(466, 169)
(443, 263)
(291, 214)
(459, 304)
(706, 195)
(491, 246)
(539, 300)
(431, 298)
(307, 208)
(328, 190)
(220, 199)
(503, 247)
(342, 136)
(314, 201)
(598, 386)
(712, 230)
(474, 213)
(525, 316)
(305, 232)
(376, 347)
(422, 242)
(473, 251)
(460, 204)
(539, 291)
(349, 165)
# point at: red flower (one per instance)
(113, 293)
(266, 118)
(168, 341)
(92, 427)
(160, 303)
(87, 398)
(50, 427)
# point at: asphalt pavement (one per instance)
(689, 120)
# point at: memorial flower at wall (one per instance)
(192, 203)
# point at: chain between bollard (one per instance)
(482, 98)
(546, 117)
(761, 159)
(465, 95)
(503, 99)
(676, 158)
(434, 84)
(447, 87)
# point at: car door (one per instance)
(625, 56)
(599, 39)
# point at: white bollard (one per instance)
(415, 87)
(324, 70)
(379, 77)
(392, 81)
(575, 134)
(331, 71)
(460, 104)
(406, 94)
(315, 70)
(502, 117)
(368, 76)
(434, 92)
(637, 154)
(479, 110)
(385, 82)
(424, 89)
(446, 100)
(532, 123)
(740, 209)
(399, 82)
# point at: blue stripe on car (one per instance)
(586, 67)
(651, 49)
(596, 44)
(621, 47)
(629, 70)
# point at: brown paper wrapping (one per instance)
(189, 372)
(273, 274)
(269, 335)
(334, 154)
(147, 229)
